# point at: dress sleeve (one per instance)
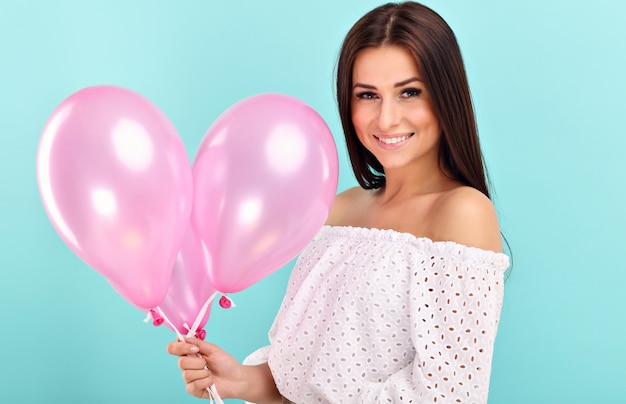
(257, 357)
(454, 310)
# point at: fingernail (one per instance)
(194, 349)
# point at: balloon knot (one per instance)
(226, 302)
(157, 319)
(201, 334)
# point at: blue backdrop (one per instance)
(548, 81)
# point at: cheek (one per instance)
(359, 119)
(359, 126)
(426, 119)
(434, 124)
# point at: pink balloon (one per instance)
(190, 287)
(265, 177)
(116, 183)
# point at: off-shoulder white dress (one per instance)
(378, 316)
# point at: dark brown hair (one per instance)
(432, 43)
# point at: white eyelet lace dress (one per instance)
(377, 316)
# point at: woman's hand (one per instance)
(205, 364)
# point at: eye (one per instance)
(411, 92)
(365, 95)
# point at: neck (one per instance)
(408, 182)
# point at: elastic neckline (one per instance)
(448, 249)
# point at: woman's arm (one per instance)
(205, 364)
(454, 310)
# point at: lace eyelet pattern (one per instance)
(375, 316)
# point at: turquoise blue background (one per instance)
(548, 81)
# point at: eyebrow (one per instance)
(398, 84)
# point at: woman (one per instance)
(398, 298)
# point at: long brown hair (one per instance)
(432, 43)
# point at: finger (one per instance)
(192, 375)
(204, 347)
(191, 363)
(182, 348)
(198, 388)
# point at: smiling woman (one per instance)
(548, 86)
(398, 297)
(391, 111)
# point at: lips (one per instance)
(393, 140)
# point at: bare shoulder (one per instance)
(345, 203)
(466, 216)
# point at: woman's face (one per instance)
(391, 109)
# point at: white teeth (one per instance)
(393, 139)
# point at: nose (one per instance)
(389, 115)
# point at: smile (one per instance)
(393, 140)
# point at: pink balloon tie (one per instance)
(200, 316)
(157, 320)
(226, 302)
(213, 394)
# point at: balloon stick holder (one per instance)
(158, 317)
